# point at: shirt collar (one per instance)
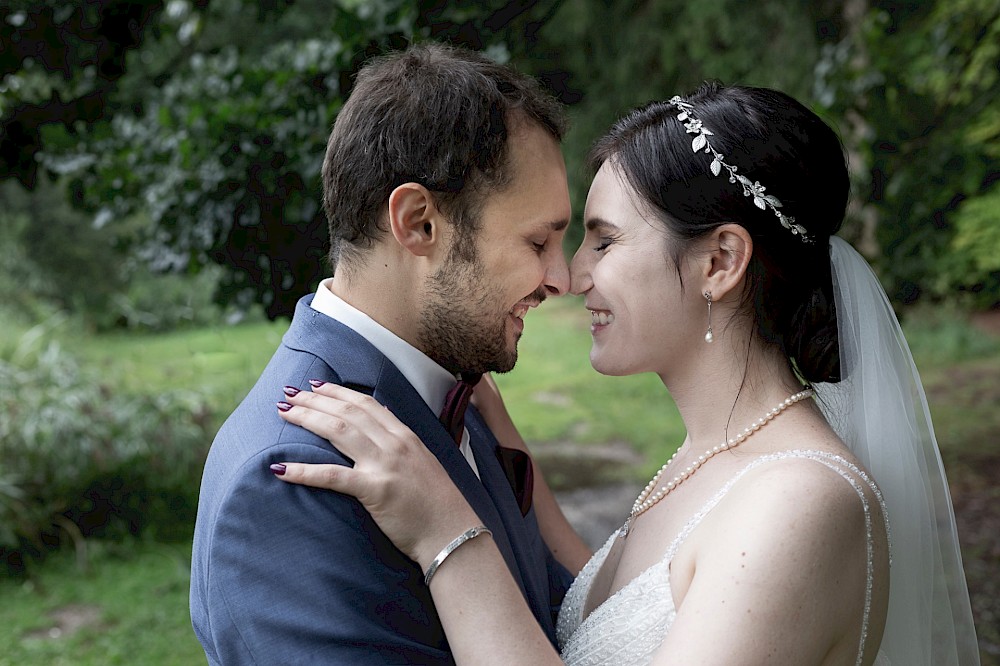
(431, 381)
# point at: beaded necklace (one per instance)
(647, 498)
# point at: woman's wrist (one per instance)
(452, 546)
(437, 538)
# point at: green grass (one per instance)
(221, 362)
(960, 369)
(133, 600)
(941, 335)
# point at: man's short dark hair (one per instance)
(435, 115)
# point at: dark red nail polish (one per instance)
(316, 383)
(283, 406)
(291, 391)
(278, 469)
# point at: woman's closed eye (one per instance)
(605, 243)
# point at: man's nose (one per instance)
(557, 273)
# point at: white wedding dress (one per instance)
(628, 628)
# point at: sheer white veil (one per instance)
(879, 409)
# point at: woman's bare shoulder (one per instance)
(795, 501)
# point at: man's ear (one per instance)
(414, 219)
(726, 258)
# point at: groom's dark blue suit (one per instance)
(284, 574)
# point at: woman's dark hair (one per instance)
(771, 139)
(435, 115)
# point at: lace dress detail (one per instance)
(629, 626)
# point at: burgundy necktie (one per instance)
(455, 403)
(516, 464)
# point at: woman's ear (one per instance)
(726, 259)
(414, 219)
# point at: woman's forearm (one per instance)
(483, 612)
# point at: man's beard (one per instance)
(462, 328)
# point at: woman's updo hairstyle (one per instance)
(771, 139)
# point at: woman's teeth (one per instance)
(601, 318)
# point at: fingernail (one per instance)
(291, 391)
(283, 406)
(316, 383)
(278, 469)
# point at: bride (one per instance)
(805, 519)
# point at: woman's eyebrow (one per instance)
(599, 224)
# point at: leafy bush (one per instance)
(942, 333)
(170, 301)
(54, 253)
(56, 260)
(79, 458)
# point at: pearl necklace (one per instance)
(647, 499)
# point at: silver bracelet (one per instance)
(451, 548)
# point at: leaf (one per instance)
(759, 203)
(716, 167)
(698, 143)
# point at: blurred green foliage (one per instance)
(207, 121)
(80, 457)
(917, 84)
(56, 260)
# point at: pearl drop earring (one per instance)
(708, 335)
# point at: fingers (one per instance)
(344, 403)
(356, 423)
(332, 477)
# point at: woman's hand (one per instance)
(400, 483)
(412, 498)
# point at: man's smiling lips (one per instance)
(518, 312)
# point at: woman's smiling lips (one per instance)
(600, 318)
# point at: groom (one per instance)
(446, 195)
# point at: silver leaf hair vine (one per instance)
(700, 143)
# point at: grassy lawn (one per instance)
(221, 363)
(131, 605)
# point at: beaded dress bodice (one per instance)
(628, 627)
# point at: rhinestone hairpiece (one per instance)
(700, 143)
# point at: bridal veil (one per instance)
(880, 410)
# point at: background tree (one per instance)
(922, 81)
(209, 119)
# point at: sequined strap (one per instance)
(842, 467)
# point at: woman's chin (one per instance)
(608, 366)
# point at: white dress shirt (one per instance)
(431, 381)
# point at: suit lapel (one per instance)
(360, 365)
(405, 403)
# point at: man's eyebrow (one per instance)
(557, 225)
(599, 224)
